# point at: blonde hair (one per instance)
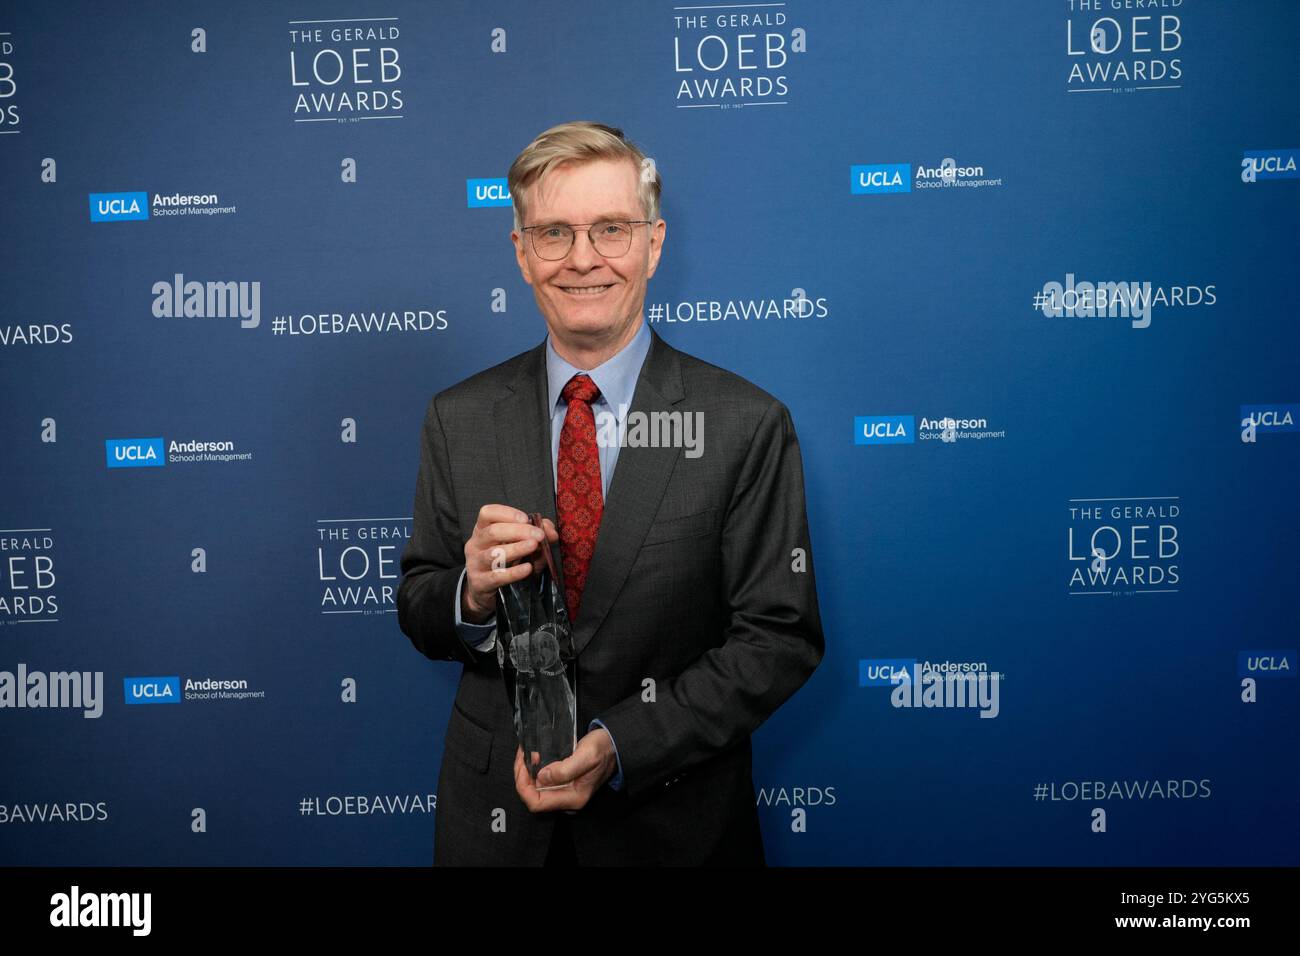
(581, 141)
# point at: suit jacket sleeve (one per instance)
(774, 637)
(434, 555)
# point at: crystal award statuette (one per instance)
(538, 664)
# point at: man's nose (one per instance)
(582, 254)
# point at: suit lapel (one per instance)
(640, 479)
(523, 432)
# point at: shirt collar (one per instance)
(615, 377)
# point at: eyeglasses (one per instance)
(611, 238)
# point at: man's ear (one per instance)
(657, 232)
(521, 255)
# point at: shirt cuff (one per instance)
(616, 781)
(481, 637)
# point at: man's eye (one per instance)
(553, 232)
(611, 228)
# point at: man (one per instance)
(687, 570)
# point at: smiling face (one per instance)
(592, 305)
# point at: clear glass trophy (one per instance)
(538, 664)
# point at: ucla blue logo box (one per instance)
(884, 429)
(487, 192)
(135, 452)
(117, 207)
(881, 178)
(885, 673)
(152, 690)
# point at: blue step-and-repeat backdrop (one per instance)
(1023, 272)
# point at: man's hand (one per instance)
(502, 535)
(592, 764)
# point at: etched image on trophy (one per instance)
(537, 661)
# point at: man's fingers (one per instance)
(501, 555)
(498, 551)
(494, 567)
(505, 532)
(569, 800)
(491, 514)
(537, 801)
(552, 774)
(524, 784)
(501, 524)
(566, 771)
(484, 583)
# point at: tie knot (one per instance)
(580, 388)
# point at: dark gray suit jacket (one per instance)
(697, 621)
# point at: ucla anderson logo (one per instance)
(884, 429)
(152, 690)
(487, 192)
(1266, 663)
(135, 452)
(1262, 164)
(118, 207)
(1268, 419)
(886, 178)
(884, 672)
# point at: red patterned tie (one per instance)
(578, 496)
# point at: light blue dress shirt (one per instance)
(616, 378)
